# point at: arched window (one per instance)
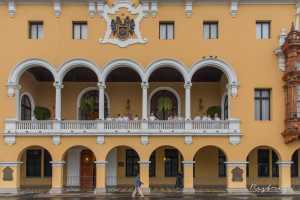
(89, 106)
(164, 104)
(26, 108)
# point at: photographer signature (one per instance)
(262, 189)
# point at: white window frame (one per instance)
(36, 30)
(166, 30)
(208, 32)
(263, 30)
(82, 28)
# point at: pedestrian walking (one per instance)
(137, 187)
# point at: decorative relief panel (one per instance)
(123, 23)
(8, 174)
(237, 174)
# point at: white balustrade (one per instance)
(79, 124)
(122, 124)
(34, 125)
(137, 126)
(210, 124)
(166, 124)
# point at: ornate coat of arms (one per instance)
(123, 23)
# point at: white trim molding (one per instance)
(154, 8)
(74, 63)
(221, 65)
(236, 163)
(58, 163)
(171, 63)
(92, 8)
(119, 63)
(172, 90)
(57, 7)
(107, 13)
(285, 163)
(188, 7)
(100, 162)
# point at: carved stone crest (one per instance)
(237, 174)
(8, 174)
(123, 23)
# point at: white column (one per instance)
(187, 87)
(297, 20)
(58, 87)
(101, 87)
(18, 101)
(145, 86)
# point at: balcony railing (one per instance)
(142, 127)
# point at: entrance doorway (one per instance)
(87, 170)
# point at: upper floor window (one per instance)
(166, 30)
(262, 104)
(80, 31)
(36, 30)
(211, 30)
(263, 30)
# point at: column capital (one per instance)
(188, 85)
(58, 85)
(145, 85)
(100, 162)
(284, 163)
(12, 88)
(101, 85)
(144, 162)
(10, 164)
(233, 88)
(236, 163)
(58, 163)
(188, 162)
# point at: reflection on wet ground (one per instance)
(155, 197)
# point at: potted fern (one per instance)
(164, 106)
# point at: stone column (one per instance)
(144, 175)
(145, 87)
(18, 101)
(285, 182)
(58, 87)
(188, 180)
(187, 87)
(101, 87)
(10, 177)
(236, 177)
(100, 177)
(57, 177)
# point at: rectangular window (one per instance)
(211, 30)
(263, 163)
(262, 104)
(166, 30)
(80, 30)
(294, 166)
(47, 164)
(33, 163)
(222, 164)
(132, 166)
(171, 162)
(275, 169)
(152, 167)
(36, 30)
(263, 30)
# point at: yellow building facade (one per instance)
(186, 94)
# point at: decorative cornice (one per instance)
(92, 8)
(57, 7)
(287, 163)
(154, 7)
(234, 7)
(58, 163)
(236, 163)
(11, 8)
(188, 7)
(100, 162)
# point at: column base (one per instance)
(146, 190)
(56, 191)
(100, 191)
(188, 190)
(287, 190)
(238, 191)
(13, 191)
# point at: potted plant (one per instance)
(42, 113)
(211, 111)
(164, 106)
(88, 107)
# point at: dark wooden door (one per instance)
(87, 169)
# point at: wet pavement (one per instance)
(155, 197)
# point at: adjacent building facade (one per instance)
(94, 93)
